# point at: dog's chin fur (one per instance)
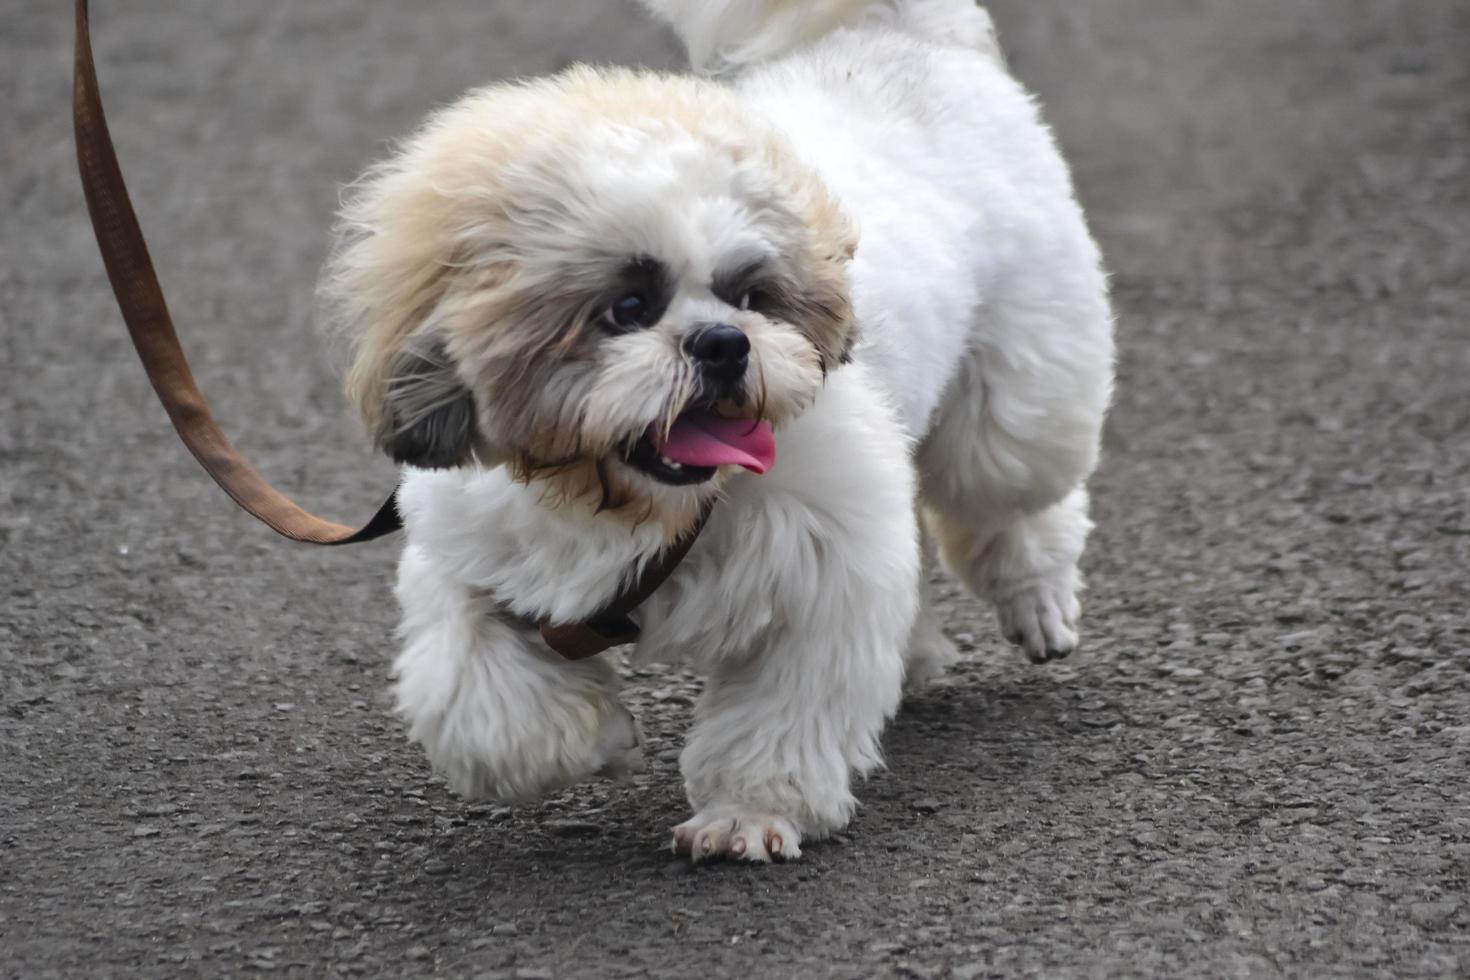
(521, 284)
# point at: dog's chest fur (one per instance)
(768, 553)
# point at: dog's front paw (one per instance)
(737, 833)
(1041, 618)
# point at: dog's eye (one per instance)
(755, 299)
(629, 311)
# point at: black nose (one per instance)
(719, 348)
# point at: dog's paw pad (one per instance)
(1041, 619)
(738, 834)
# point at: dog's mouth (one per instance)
(699, 442)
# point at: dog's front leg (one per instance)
(499, 714)
(779, 732)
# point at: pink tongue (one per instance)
(706, 439)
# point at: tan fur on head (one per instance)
(475, 266)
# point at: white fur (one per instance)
(986, 358)
(795, 602)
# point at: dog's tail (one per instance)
(724, 34)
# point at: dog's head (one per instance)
(610, 280)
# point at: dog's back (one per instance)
(724, 34)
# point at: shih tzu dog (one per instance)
(844, 287)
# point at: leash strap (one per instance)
(140, 297)
(611, 626)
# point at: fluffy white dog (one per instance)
(846, 289)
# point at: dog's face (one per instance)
(588, 278)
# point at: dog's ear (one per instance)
(429, 418)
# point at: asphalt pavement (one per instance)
(1257, 766)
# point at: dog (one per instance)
(836, 280)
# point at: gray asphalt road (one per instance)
(1257, 766)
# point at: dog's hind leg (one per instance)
(1002, 470)
(499, 714)
(1026, 564)
(929, 650)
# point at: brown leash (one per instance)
(140, 297)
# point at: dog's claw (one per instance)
(1042, 621)
(745, 836)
